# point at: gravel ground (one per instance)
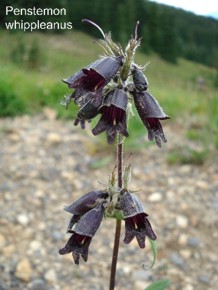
(47, 163)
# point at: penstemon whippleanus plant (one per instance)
(109, 87)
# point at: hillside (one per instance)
(170, 32)
(33, 65)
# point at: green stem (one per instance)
(118, 222)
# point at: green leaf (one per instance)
(154, 251)
(159, 285)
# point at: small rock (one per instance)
(38, 284)
(141, 284)
(35, 245)
(185, 169)
(177, 260)
(53, 139)
(24, 270)
(188, 287)
(57, 236)
(2, 241)
(193, 242)
(3, 286)
(155, 197)
(204, 279)
(50, 276)
(8, 251)
(23, 219)
(202, 184)
(182, 221)
(183, 240)
(170, 194)
(186, 254)
(14, 137)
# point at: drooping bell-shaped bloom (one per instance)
(83, 232)
(89, 108)
(136, 222)
(88, 84)
(95, 76)
(148, 108)
(113, 115)
(84, 204)
(139, 79)
(150, 113)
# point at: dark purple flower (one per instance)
(148, 108)
(95, 76)
(136, 222)
(113, 117)
(89, 107)
(139, 79)
(150, 113)
(82, 234)
(84, 204)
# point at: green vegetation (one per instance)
(170, 32)
(186, 91)
(186, 155)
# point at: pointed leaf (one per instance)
(159, 285)
(154, 251)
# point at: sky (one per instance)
(201, 7)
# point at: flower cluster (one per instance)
(108, 87)
(88, 212)
(103, 88)
(87, 216)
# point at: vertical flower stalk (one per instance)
(107, 88)
(118, 221)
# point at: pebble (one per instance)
(53, 139)
(37, 284)
(204, 279)
(8, 250)
(182, 221)
(188, 287)
(50, 276)
(57, 236)
(183, 239)
(35, 245)
(177, 260)
(186, 254)
(23, 219)
(155, 197)
(2, 241)
(193, 242)
(23, 270)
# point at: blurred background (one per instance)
(46, 162)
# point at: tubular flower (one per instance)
(87, 216)
(136, 222)
(88, 84)
(113, 117)
(82, 234)
(95, 76)
(103, 88)
(89, 106)
(84, 204)
(148, 108)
